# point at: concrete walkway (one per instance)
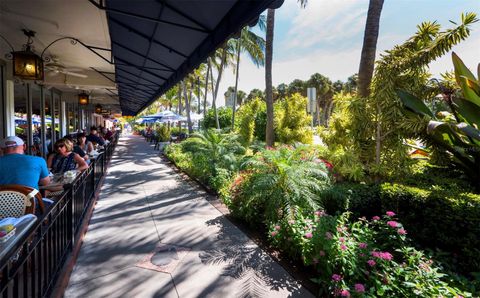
(154, 235)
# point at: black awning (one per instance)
(156, 43)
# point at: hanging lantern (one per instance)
(83, 99)
(98, 109)
(26, 64)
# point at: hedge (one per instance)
(444, 217)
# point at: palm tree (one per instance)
(254, 45)
(369, 48)
(270, 134)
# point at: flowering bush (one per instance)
(361, 258)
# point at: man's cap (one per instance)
(11, 141)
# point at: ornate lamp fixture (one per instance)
(83, 99)
(98, 109)
(26, 64)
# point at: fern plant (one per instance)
(279, 183)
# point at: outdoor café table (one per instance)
(58, 184)
(22, 227)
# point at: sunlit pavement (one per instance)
(153, 234)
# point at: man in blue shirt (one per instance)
(94, 138)
(18, 168)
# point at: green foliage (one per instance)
(439, 216)
(459, 135)
(163, 133)
(209, 156)
(361, 258)
(277, 182)
(346, 126)
(224, 118)
(250, 121)
(293, 120)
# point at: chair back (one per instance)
(18, 200)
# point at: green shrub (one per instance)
(293, 120)
(439, 217)
(163, 133)
(277, 182)
(224, 118)
(360, 199)
(362, 258)
(250, 121)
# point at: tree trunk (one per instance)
(179, 100)
(187, 106)
(378, 142)
(239, 41)
(206, 89)
(270, 133)
(217, 85)
(369, 48)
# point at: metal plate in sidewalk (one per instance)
(164, 258)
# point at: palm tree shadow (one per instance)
(243, 260)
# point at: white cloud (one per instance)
(326, 21)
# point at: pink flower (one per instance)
(319, 213)
(336, 277)
(362, 245)
(277, 228)
(291, 222)
(390, 213)
(343, 247)
(402, 231)
(359, 288)
(274, 233)
(322, 253)
(375, 254)
(361, 255)
(308, 235)
(341, 239)
(345, 293)
(376, 218)
(386, 256)
(392, 224)
(371, 263)
(328, 235)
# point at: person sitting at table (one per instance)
(65, 160)
(94, 138)
(83, 147)
(21, 169)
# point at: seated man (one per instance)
(18, 168)
(94, 138)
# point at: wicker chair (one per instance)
(18, 200)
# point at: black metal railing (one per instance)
(32, 266)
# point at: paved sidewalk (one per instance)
(154, 235)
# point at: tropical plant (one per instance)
(163, 133)
(223, 115)
(254, 46)
(369, 47)
(457, 130)
(293, 120)
(245, 124)
(277, 183)
(221, 149)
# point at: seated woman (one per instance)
(83, 147)
(65, 160)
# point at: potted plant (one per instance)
(163, 137)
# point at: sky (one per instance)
(326, 37)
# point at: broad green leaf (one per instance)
(414, 104)
(469, 131)
(461, 69)
(473, 85)
(468, 92)
(468, 110)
